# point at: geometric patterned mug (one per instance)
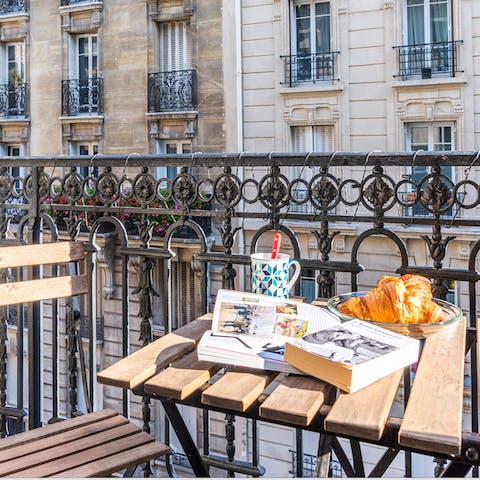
(272, 276)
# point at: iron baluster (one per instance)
(3, 370)
(230, 437)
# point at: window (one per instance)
(86, 69)
(312, 58)
(175, 52)
(434, 136)
(429, 47)
(427, 21)
(171, 147)
(88, 149)
(13, 98)
(310, 138)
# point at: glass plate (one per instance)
(420, 330)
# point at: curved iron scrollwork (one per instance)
(13, 99)
(82, 96)
(174, 90)
(12, 6)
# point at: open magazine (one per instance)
(250, 330)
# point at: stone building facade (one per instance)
(343, 75)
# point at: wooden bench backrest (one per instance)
(45, 288)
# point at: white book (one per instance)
(352, 355)
(250, 330)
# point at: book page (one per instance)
(264, 316)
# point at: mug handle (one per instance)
(296, 273)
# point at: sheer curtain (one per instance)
(415, 22)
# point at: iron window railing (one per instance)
(12, 6)
(65, 3)
(82, 96)
(172, 91)
(428, 59)
(13, 98)
(311, 68)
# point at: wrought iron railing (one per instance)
(12, 6)
(309, 68)
(172, 91)
(64, 3)
(13, 99)
(427, 60)
(239, 189)
(82, 96)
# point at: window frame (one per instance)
(426, 22)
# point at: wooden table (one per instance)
(168, 370)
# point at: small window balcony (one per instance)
(66, 3)
(82, 97)
(13, 98)
(309, 68)
(428, 60)
(12, 6)
(172, 91)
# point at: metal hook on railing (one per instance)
(126, 163)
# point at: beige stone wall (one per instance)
(127, 53)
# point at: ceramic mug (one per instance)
(272, 276)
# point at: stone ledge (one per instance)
(432, 82)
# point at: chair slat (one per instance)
(106, 466)
(54, 429)
(41, 254)
(93, 454)
(82, 432)
(42, 289)
(63, 452)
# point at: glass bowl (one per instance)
(452, 313)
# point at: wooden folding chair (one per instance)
(93, 445)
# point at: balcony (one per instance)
(139, 290)
(172, 91)
(428, 60)
(65, 3)
(309, 69)
(82, 97)
(13, 100)
(12, 6)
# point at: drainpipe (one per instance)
(240, 146)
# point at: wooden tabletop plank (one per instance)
(104, 467)
(132, 371)
(82, 432)
(182, 378)
(433, 417)
(57, 466)
(237, 390)
(365, 412)
(54, 429)
(296, 400)
(62, 453)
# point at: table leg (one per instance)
(457, 469)
(189, 447)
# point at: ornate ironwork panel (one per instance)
(172, 91)
(82, 96)
(309, 68)
(428, 59)
(12, 6)
(13, 99)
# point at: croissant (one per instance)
(405, 299)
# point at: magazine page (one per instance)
(251, 330)
(264, 316)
